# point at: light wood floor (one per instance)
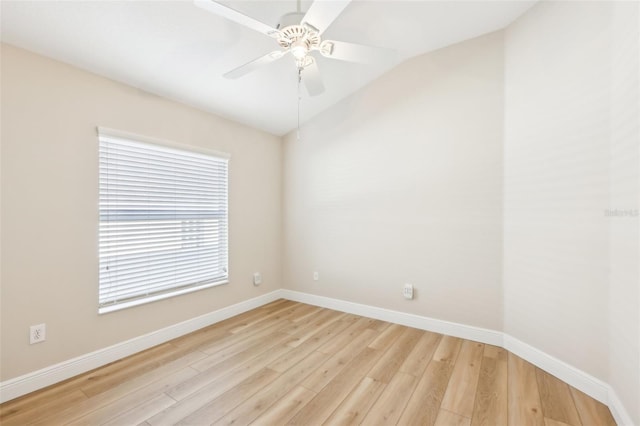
(291, 363)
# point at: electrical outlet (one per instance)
(407, 291)
(257, 278)
(316, 276)
(37, 333)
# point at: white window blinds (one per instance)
(163, 222)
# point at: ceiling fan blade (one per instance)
(250, 66)
(353, 52)
(312, 79)
(323, 12)
(235, 16)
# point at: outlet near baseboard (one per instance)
(37, 333)
(407, 291)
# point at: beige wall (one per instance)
(556, 166)
(49, 208)
(402, 182)
(624, 291)
(571, 152)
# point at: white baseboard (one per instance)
(411, 320)
(595, 388)
(620, 413)
(586, 383)
(30, 382)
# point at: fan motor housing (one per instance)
(292, 31)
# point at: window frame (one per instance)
(140, 300)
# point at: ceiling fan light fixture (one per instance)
(299, 49)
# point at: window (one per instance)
(163, 221)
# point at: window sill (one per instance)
(143, 301)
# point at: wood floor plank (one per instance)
(347, 335)
(252, 407)
(491, 403)
(448, 349)
(447, 418)
(256, 331)
(142, 411)
(272, 316)
(551, 422)
(323, 404)
(266, 321)
(223, 404)
(387, 409)
(151, 378)
(307, 311)
(202, 338)
(41, 397)
(286, 407)
(421, 354)
(277, 303)
(357, 403)
(378, 325)
(524, 398)
(556, 400)
(211, 334)
(245, 348)
(36, 412)
(423, 406)
(196, 400)
(309, 330)
(126, 369)
(495, 352)
(591, 412)
(130, 400)
(387, 337)
(308, 319)
(460, 395)
(325, 334)
(222, 376)
(394, 356)
(336, 363)
(254, 368)
(140, 358)
(287, 312)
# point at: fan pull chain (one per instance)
(299, 97)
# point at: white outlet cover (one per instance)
(37, 333)
(407, 291)
(257, 278)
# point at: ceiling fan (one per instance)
(300, 34)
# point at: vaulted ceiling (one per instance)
(179, 51)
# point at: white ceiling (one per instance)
(179, 51)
